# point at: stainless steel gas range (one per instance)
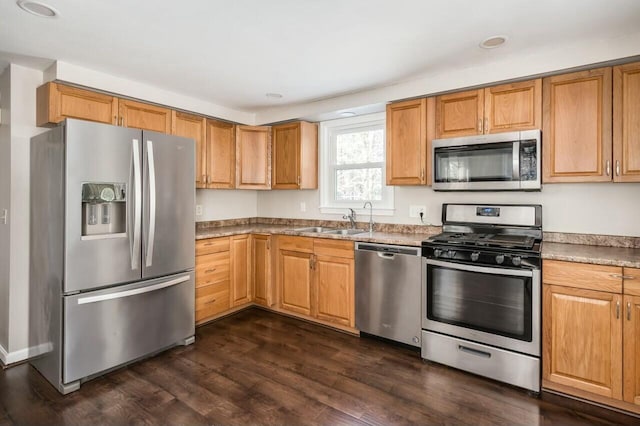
(482, 290)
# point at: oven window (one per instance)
(496, 304)
(476, 163)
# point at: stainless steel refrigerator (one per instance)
(112, 238)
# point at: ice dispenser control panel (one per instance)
(104, 209)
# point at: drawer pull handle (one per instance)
(629, 277)
(618, 276)
(475, 352)
(210, 301)
(208, 271)
(207, 244)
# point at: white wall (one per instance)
(5, 203)
(220, 204)
(23, 84)
(598, 208)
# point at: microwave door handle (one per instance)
(481, 269)
(516, 161)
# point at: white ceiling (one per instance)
(234, 52)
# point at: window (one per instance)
(353, 165)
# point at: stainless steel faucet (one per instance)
(352, 218)
(370, 215)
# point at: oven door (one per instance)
(495, 306)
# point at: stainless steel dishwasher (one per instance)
(388, 291)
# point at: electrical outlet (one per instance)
(303, 206)
(414, 211)
(198, 209)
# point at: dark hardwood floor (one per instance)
(257, 367)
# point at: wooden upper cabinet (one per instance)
(194, 127)
(582, 340)
(253, 157)
(410, 129)
(144, 116)
(626, 122)
(55, 102)
(220, 154)
(459, 114)
(515, 106)
(576, 127)
(295, 156)
(496, 109)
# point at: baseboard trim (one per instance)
(9, 358)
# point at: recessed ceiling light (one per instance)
(274, 95)
(493, 42)
(347, 114)
(37, 8)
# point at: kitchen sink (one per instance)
(317, 229)
(345, 231)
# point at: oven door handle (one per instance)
(481, 269)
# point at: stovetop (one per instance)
(481, 240)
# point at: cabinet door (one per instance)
(194, 127)
(582, 340)
(626, 122)
(240, 270)
(334, 280)
(262, 292)
(576, 127)
(55, 102)
(253, 157)
(407, 143)
(632, 349)
(459, 114)
(221, 154)
(286, 156)
(294, 276)
(515, 106)
(144, 116)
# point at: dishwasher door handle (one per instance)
(389, 256)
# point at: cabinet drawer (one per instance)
(632, 282)
(212, 245)
(582, 275)
(212, 300)
(212, 268)
(336, 248)
(300, 244)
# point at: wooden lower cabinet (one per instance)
(240, 270)
(583, 340)
(591, 332)
(261, 273)
(213, 278)
(316, 279)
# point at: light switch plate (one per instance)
(303, 206)
(198, 209)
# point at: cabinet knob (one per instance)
(617, 167)
(608, 168)
(618, 309)
(628, 311)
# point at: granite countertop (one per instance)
(406, 239)
(599, 255)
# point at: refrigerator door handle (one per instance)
(152, 204)
(127, 293)
(137, 201)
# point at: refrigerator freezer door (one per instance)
(168, 238)
(107, 328)
(103, 202)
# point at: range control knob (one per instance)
(500, 259)
(437, 253)
(516, 260)
(451, 254)
(475, 256)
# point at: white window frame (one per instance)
(328, 132)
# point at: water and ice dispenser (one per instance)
(104, 209)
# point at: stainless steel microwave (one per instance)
(497, 162)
